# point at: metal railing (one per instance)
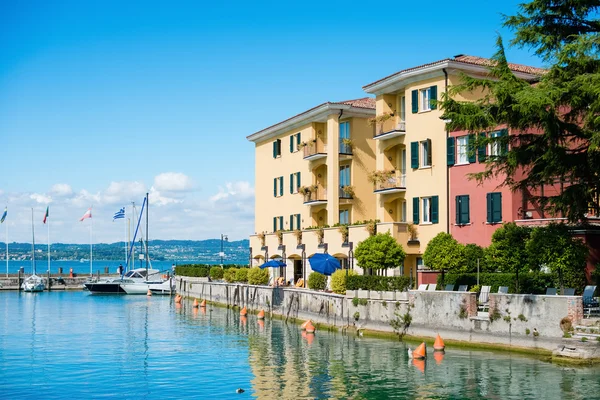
(316, 195)
(392, 182)
(313, 148)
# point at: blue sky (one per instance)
(102, 102)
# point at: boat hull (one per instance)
(138, 287)
(105, 288)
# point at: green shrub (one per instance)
(257, 276)
(229, 275)
(241, 275)
(216, 273)
(378, 283)
(338, 280)
(355, 302)
(529, 283)
(192, 270)
(363, 302)
(317, 281)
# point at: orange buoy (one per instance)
(195, 303)
(243, 312)
(261, 314)
(203, 304)
(310, 328)
(261, 323)
(438, 345)
(303, 326)
(420, 352)
(149, 293)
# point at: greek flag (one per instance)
(119, 214)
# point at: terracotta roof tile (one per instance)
(365, 102)
(466, 59)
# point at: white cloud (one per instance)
(173, 182)
(61, 189)
(156, 198)
(241, 190)
(123, 192)
(41, 198)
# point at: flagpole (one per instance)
(48, 220)
(7, 249)
(91, 230)
(125, 240)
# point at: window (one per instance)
(426, 202)
(294, 182)
(462, 210)
(345, 148)
(420, 264)
(403, 214)
(278, 186)
(277, 148)
(344, 216)
(498, 148)
(425, 153)
(425, 95)
(403, 108)
(294, 222)
(277, 224)
(294, 142)
(462, 151)
(494, 207)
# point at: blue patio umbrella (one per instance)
(273, 264)
(324, 263)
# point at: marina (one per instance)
(70, 344)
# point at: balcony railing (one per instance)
(390, 128)
(344, 193)
(397, 182)
(316, 196)
(314, 150)
(345, 148)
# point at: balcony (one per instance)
(390, 129)
(345, 148)
(315, 151)
(316, 196)
(346, 192)
(391, 184)
(401, 232)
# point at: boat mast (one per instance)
(147, 207)
(32, 244)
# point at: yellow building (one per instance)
(311, 174)
(411, 150)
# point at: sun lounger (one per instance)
(503, 289)
(484, 297)
(449, 288)
(432, 287)
(422, 287)
(463, 288)
(551, 291)
(568, 292)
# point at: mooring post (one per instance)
(49, 283)
(19, 280)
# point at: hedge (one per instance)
(257, 276)
(378, 283)
(201, 270)
(317, 281)
(530, 283)
(216, 273)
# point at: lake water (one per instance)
(75, 345)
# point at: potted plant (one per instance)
(413, 233)
(298, 234)
(302, 145)
(320, 234)
(371, 227)
(343, 229)
(349, 190)
(279, 234)
(347, 142)
(380, 121)
(261, 237)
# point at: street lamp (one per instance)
(222, 253)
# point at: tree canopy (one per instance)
(444, 253)
(379, 251)
(508, 253)
(554, 119)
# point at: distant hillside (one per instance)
(236, 252)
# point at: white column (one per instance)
(333, 169)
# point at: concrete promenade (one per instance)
(533, 323)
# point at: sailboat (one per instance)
(33, 283)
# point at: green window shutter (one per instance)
(488, 200)
(281, 186)
(415, 101)
(481, 150)
(274, 224)
(458, 201)
(298, 221)
(496, 207)
(414, 154)
(504, 145)
(275, 149)
(433, 99)
(292, 144)
(297, 180)
(291, 222)
(429, 153)
(435, 200)
(281, 222)
(466, 217)
(274, 187)
(471, 149)
(297, 138)
(451, 153)
(291, 183)
(416, 210)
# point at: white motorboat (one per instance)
(167, 287)
(33, 283)
(113, 285)
(144, 286)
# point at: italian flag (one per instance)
(46, 215)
